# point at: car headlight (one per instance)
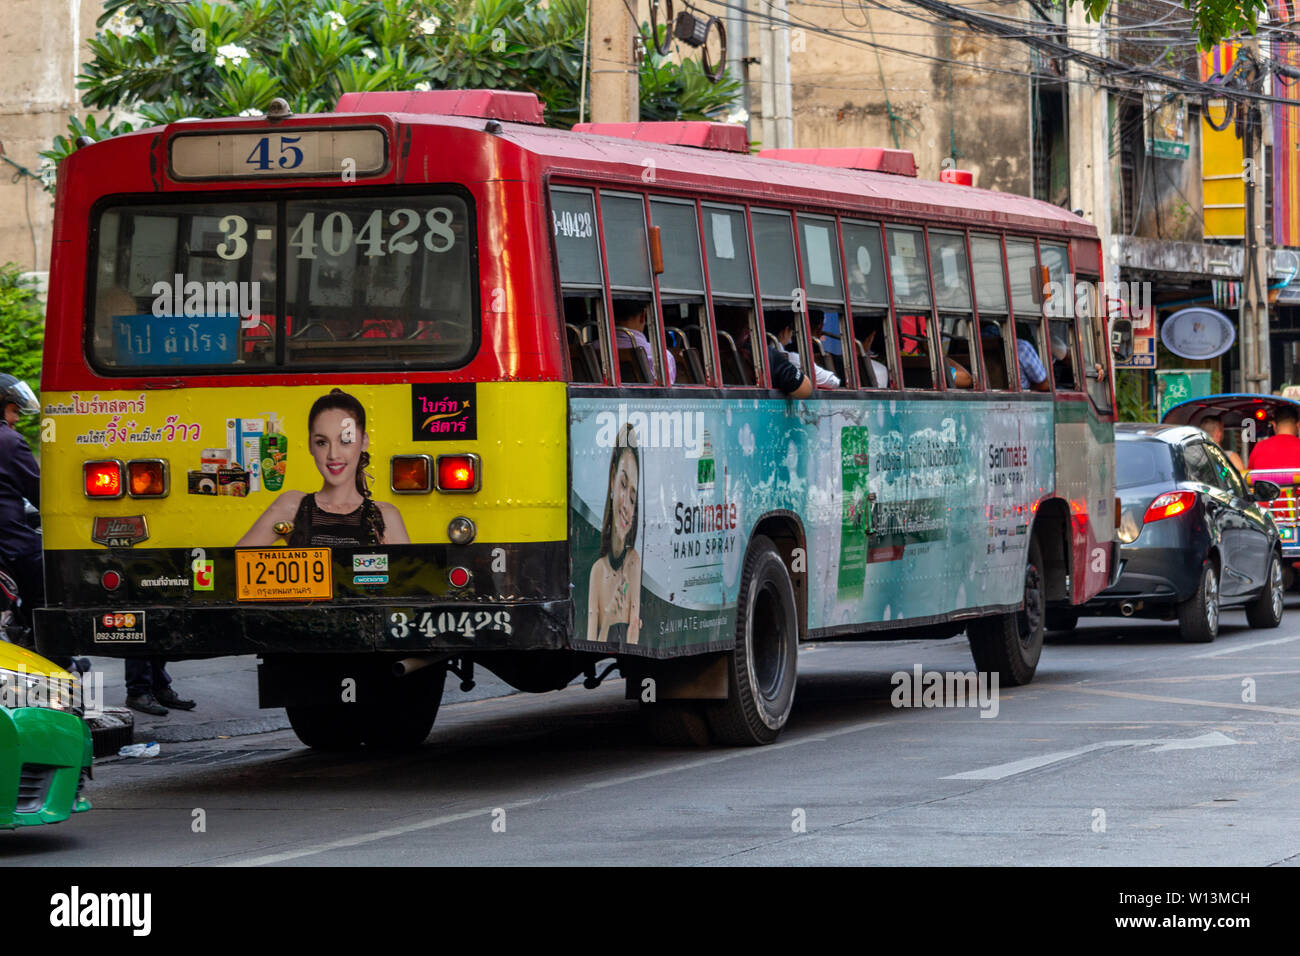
(34, 689)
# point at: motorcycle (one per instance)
(15, 616)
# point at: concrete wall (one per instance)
(42, 44)
(939, 108)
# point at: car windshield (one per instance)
(1142, 463)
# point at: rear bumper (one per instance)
(42, 755)
(1161, 575)
(214, 631)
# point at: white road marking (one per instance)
(1246, 647)
(271, 859)
(1004, 770)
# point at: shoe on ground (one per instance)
(147, 704)
(170, 698)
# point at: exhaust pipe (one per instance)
(1127, 608)
(409, 665)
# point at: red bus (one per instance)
(422, 385)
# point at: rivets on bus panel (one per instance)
(458, 577)
(461, 530)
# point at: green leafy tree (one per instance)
(22, 328)
(1214, 20)
(164, 62)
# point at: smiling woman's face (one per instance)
(625, 478)
(336, 445)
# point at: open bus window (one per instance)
(909, 275)
(584, 329)
(384, 280)
(778, 282)
(1064, 355)
(871, 348)
(915, 355)
(681, 291)
(636, 341)
(827, 347)
(960, 358)
(726, 242)
(183, 285)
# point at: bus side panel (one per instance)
(1085, 477)
(911, 510)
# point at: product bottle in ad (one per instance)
(275, 449)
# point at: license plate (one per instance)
(1286, 533)
(283, 574)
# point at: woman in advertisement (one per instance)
(614, 592)
(342, 513)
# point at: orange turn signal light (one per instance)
(459, 473)
(411, 474)
(103, 479)
(147, 478)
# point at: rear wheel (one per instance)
(761, 669)
(1266, 609)
(1198, 616)
(1011, 643)
(396, 713)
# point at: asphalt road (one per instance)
(1130, 748)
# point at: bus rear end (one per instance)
(213, 283)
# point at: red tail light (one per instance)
(410, 474)
(103, 479)
(147, 477)
(458, 473)
(1169, 504)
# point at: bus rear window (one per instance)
(377, 282)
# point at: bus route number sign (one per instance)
(284, 574)
(287, 152)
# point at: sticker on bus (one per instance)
(120, 627)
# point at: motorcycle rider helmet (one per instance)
(14, 391)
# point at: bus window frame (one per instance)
(893, 309)
(1097, 326)
(888, 329)
(712, 378)
(659, 375)
(603, 341)
(1076, 351)
(276, 196)
(976, 359)
(755, 314)
(838, 249)
(801, 328)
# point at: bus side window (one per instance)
(582, 284)
(636, 321)
(681, 291)
(819, 250)
(952, 295)
(1026, 293)
(990, 280)
(869, 297)
(908, 272)
(731, 285)
(1061, 334)
(778, 284)
(1096, 347)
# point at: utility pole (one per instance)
(777, 118)
(1253, 315)
(614, 88)
(1089, 128)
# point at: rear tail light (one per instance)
(458, 473)
(1169, 504)
(111, 580)
(411, 474)
(103, 479)
(147, 478)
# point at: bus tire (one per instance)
(676, 723)
(404, 714)
(762, 667)
(326, 726)
(1010, 644)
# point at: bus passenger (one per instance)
(342, 513)
(1033, 375)
(1212, 425)
(614, 587)
(630, 318)
(1282, 450)
(786, 374)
